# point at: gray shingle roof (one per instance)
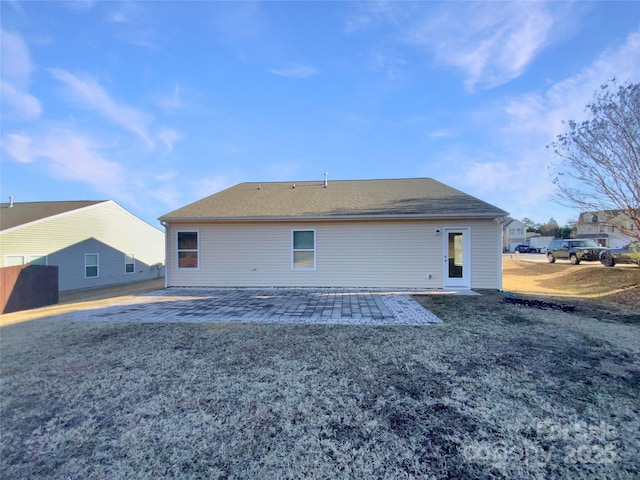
(341, 199)
(26, 212)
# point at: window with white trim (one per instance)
(17, 259)
(13, 260)
(188, 250)
(129, 263)
(90, 265)
(303, 251)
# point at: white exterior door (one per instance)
(456, 258)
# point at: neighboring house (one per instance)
(93, 243)
(514, 233)
(605, 228)
(541, 242)
(414, 233)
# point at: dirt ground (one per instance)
(617, 287)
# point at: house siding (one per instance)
(106, 229)
(397, 254)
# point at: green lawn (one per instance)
(497, 391)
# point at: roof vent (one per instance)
(10, 201)
(294, 186)
(326, 176)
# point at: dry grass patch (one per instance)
(497, 391)
(618, 285)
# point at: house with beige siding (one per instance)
(397, 233)
(609, 228)
(93, 243)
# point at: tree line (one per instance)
(551, 228)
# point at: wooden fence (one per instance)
(27, 286)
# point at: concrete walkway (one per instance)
(265, 305)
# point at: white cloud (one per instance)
(16, 61)
(491, 43)
(441, 134)
(209, 186)
(16, 70)
(519, 168)
(70, 156)
(21, 103)
(168, 137)
(295, 71)
(542, 113)
(173, 101)
(91, 95)
(79, 5)
(19, 147)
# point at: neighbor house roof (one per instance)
(340, 199)
(21, 213)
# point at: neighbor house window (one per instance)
(188, 250)
(129, 263)
(90, 265)
(38, 260)
(13, 260)
(304, 250)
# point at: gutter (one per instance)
(323, 218)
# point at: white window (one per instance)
(129, 263)
(33, 259)
(13, 260)
(90, 265)
(303, 251)
(188, 250)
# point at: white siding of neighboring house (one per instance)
(398, 254)
(106, 229)
(605, 230)
(515, 233)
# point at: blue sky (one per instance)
(158, 104)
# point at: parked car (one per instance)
(627, 254)
(526, 249)
(574, 250)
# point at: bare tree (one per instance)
(599, 167)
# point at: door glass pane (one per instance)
(456, 260)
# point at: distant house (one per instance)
(514, 233)
(606, 228)
(400, 233)
(93, 243)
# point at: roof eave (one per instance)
(328, 218)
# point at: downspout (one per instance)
(500, 225)
(166, 251)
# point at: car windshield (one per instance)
(584, 243)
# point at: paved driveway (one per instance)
(268, 305)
